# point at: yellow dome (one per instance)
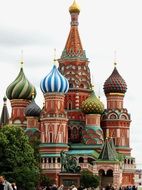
(92, 105)
(74, 8)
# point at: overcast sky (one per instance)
(105, 26)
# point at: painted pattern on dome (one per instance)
(115, 83)
(92, 105)
(20, 88)
(54, 82)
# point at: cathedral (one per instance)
(73, 119)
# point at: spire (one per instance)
(108, 152)
(4, 115)
(73, 47)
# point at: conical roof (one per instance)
(20, 88)
(4, 115)
(73, 47)
(115, 83)
(108, 153)
(92, 105)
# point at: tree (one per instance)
(88, 179)
(45, 181)
(17, 161)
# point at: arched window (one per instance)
(125, 161)
(53, 160)
(58, 160)
(112, 116)
(101, 172)
(69, 133)
(69, 105)
(81, 159)
(70, 85)
(80, 134)
(50, 138)
(90, 161)
(109, 173)
(49, 160)
(81, 86)
(74, 132)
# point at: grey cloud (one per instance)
(13, 37)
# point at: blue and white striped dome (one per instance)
(54, 82)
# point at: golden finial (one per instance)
(21, 62)
(33, 93)
(74, 8)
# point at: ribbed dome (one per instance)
(32, 109)
(20, 88)
(92, 105)
(74, 8)
(54, 82)
(115, 83)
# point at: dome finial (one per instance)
(74, 8)
(33, 93)
(115, 64)
(4, 99)
(99, 94)
(55, 60)
(21, 62)
(115, 57)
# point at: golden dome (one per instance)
(74, 8)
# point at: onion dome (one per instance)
(92, 105)
(115, 83)
(20, 88)
(32, 109)
(74, 8)
(54, 82)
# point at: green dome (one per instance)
(20, 88)
(92, 105)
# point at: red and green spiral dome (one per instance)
(20, 88)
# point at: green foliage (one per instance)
(17, 161)
(45, 181)
(89, 180)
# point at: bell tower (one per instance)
(73, 64)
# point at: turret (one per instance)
(93, 109)
(19, 92)
(4, 115)
(73, 64)
(116, 119)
